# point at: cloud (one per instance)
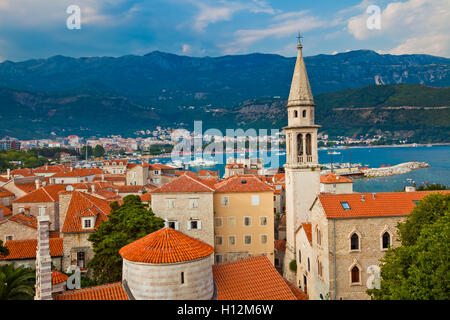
(284, 25)
(213, 12)
(415, 25)
(186, 48)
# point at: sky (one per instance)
(39, 28)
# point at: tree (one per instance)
(419, 268)
(16, 283)
(83, 152)
(432, 186)
(99, 151)
(3, 250)
(126, 223)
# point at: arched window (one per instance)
(309, 266)
(304, 113)
(295, 114)
(308, 144)
(386, 240)
(300, 144)
(318, 236)
(319, 268)
(355, 274)
(354, 242)
(299, 256)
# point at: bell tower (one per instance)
(302, 167)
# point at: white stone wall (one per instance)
(51, 209)
(163, 281)
(302, 244)
(17, 230)
(337, 188)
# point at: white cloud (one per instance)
(186, 48)
(284, 25)
(416, 25)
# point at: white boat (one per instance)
(199, 162)
(334, 152)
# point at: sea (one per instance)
(437, 156)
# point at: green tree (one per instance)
(3, 250)
(83, 152)
(99, 151)
(126, 223)
(16, 283)
(419, 268)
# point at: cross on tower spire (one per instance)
(299, 37)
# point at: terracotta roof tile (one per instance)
(113, 291)
(146, 197)
(372, 205)
(76, 172)
(308, 231)
(49, 169)
(242, 183)
(58, 277)
(280, 245)
(6, 211)
(299, 294)
(48, 193)
(128, 189)
(333, 178)
(26, 249)
(25, 219)
(117, 162)
(26, 187)
(83, 204)
(166, 246)
(253, 278)
(5, 193)
(185, 183)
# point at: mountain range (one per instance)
(106, 95)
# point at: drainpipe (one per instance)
(334, 257)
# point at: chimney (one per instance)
(8, 172)
(92, 188)
(43, 260)
(38, 183)
(410, 189)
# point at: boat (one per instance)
(199, 162)
(334, 152)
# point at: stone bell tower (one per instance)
(302, 164)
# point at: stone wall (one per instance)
(17, 230)
(73, 243)
(164, 282)
(51, 209)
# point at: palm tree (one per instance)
(16, 283)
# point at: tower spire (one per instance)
(300, 93)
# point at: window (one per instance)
(225, 201)
(21, 209)
(247, 239)
(8, 238)
(319, 268)
(87, 223)
(299, 256)
(231, 221)
(345, 205)
(304, 113)
(309, 265)
(173, 225)
(295, 113)
(194, 225)
(232, 240)
(354, 242)
(263, 221)
(170, 203)
(41, 211)
(218, 240)
(218, 222)
(81, 259)
(263, 238)
(277, 262)
(133, 174)
(193, 203)
(219, 258)
(386, 240)
(318, 236)
(355, 274)
(247, 221)
(255, 200)
(182, 278)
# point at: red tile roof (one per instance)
(76, 172)
(242, 183)
(129, 189)
(58, 277)
(25, 219)
(113, 291)
(253, 278)
(49, 169)
(26, 249)
(146, 197)
(106, 194)
(332, 178)
(81, 205)
(158, 166)
(280, 245)
(184, 183)
(208, 172)
(299, 294)
(377, 205)
(26, 172)
(6, 211)
(279, 177)
(166, 246)
(2, 179)
(48, 193)
(308, 231)
(5, 193)
(234, 165)
(26, 187)
(117, 162)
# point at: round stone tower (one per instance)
(168, 265)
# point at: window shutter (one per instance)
(177, 227)
(189, 225)
(166, 223)
(199, 225)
